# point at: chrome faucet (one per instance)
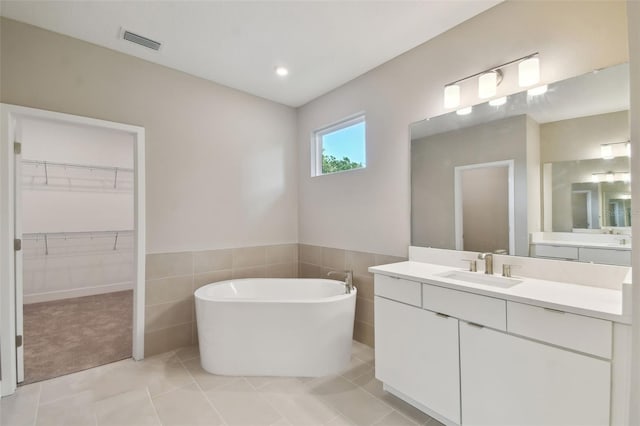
(348, 280)
(488, 262)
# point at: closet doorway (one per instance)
(78, 232)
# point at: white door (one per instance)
(17, 168)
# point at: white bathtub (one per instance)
(275, 327)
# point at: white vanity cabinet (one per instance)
(417, 354)
(471, 359)
(607, 256)
(508, 380)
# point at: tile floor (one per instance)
(172, 389)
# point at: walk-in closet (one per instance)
(75, 207)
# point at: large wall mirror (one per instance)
(551, 167)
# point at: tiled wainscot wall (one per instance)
(316, 262)
(173, 277)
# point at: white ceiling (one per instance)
(324, 44)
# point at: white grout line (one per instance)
(204, 395)
(35, 418)
(155, 410)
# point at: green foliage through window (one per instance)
(331, 164)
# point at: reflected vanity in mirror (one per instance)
(567, 193)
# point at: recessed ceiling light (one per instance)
(282, 71)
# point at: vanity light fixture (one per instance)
(607, 150)
(490, 79)
(529, 71)
(464, 111)
(498, 101)
(610, 177)
(488, 83)
(451, 96)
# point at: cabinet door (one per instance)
(507, 380)
(417, 354)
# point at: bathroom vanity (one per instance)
(610, 249)
(474, 349)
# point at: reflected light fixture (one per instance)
(464, 111)
(490, 79)
(611, 177)
(608, 150)
(451, 96)
(537, 91)
(498, 101)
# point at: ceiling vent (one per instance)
(142, 41)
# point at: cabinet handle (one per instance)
(442, 315)
(555, 311)
(473, 324)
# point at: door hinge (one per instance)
(17, 148)
(17, 244)
(18, 341)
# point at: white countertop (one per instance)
(574, 298)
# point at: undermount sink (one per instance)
(481, 278)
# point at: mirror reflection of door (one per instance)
(485, 208)
(580, 202)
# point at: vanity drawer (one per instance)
(557, 252)
(608, 256)
(470, 307)
(399, 289)
(584, 334)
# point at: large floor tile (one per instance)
(21, 407)
(395, 419)
(362, 351)
(186, 406)
(127, 409)
(240, 405)
(360, 407)
(205, 380)
(76, 410)
(301, 409)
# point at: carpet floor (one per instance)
(69, 335)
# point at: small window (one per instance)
(340, 147)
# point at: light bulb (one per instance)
(282, 71)
(606, 152)
(487, 83)
(529, 72)
(451, 96)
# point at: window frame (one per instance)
(318, 134)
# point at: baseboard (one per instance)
(76, 292)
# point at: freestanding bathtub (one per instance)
(275, 327)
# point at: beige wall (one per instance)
(373, 204)
(580, 138)
(633, 8)
(172, 279)
(221, 164)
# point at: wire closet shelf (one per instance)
(109, 240)
(76, 176)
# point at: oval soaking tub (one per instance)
(275, 327)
